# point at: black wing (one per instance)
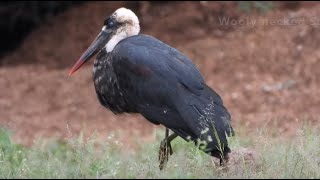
(162, 59)
(166, 87)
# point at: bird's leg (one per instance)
(224, 161)
(165, 148)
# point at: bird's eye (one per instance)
(110, 24)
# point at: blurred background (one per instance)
(263, 58)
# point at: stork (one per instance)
(137, 73)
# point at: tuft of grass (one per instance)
(77, 158)
(260, 6)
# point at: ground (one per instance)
(266, 73)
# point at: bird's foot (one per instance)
(224, 161)
(164, 152)
(224, 167)
(220, 163)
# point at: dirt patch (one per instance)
(266, 74)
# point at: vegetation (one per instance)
(276, 158)
(261, 6)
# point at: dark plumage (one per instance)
(144, 75)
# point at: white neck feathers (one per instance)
(129, 28)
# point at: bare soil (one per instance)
(266, 73)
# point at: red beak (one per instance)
(78, 64)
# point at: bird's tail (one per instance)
(208, 120)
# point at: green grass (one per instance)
(277, 158)
(260, 6)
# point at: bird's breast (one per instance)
(107, 86)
